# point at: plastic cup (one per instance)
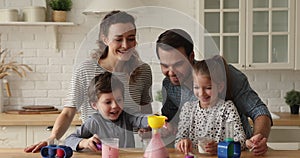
(202, 141)
(110, 147)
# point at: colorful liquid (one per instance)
(109, 152)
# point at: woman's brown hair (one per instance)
(131, 67)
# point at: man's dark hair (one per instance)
(174, 39)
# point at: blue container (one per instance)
(229, 149)
(51, 150)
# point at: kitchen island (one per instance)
(138, 153)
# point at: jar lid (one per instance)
(34, 7)
(8, 9)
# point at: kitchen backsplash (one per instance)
(53, 51)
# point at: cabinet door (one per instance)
(39, 133)
(297, 36)
(224, 21)
(270, 34)
(12, 136)
(252, 34)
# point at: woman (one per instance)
(117, 40)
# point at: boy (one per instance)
(106, 95)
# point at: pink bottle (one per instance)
(156, 148)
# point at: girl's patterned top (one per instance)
(196, 122)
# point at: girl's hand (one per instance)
(185, 146)
(211, 147)
(90, 143)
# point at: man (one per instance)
(174, 48)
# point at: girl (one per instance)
(207, 116)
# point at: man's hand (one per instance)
(257, 144)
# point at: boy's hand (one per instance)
(90, 143)
(168, 129)
(145, 133)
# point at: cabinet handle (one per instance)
(250, 65)
(49, 128)
(243, 65)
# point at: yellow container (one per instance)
(156, 121)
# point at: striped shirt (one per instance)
(136, 93)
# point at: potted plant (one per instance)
(60, 8)
(292, 98)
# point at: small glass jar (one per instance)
(229, 133)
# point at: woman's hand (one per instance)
(185, 146)
(36, 147)
(90, 143)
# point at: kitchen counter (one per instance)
(32, 119)
(138, 153)
(286, 119)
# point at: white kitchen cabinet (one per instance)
(12, 136)
(252, 34)
(38, 133)
(297, 50)
(284, 138)
(22, 136)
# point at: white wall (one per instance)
(48, 83)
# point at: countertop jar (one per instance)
(7, 15)
(34, 14)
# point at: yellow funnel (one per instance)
(156, 121)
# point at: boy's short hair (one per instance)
(103, 83)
